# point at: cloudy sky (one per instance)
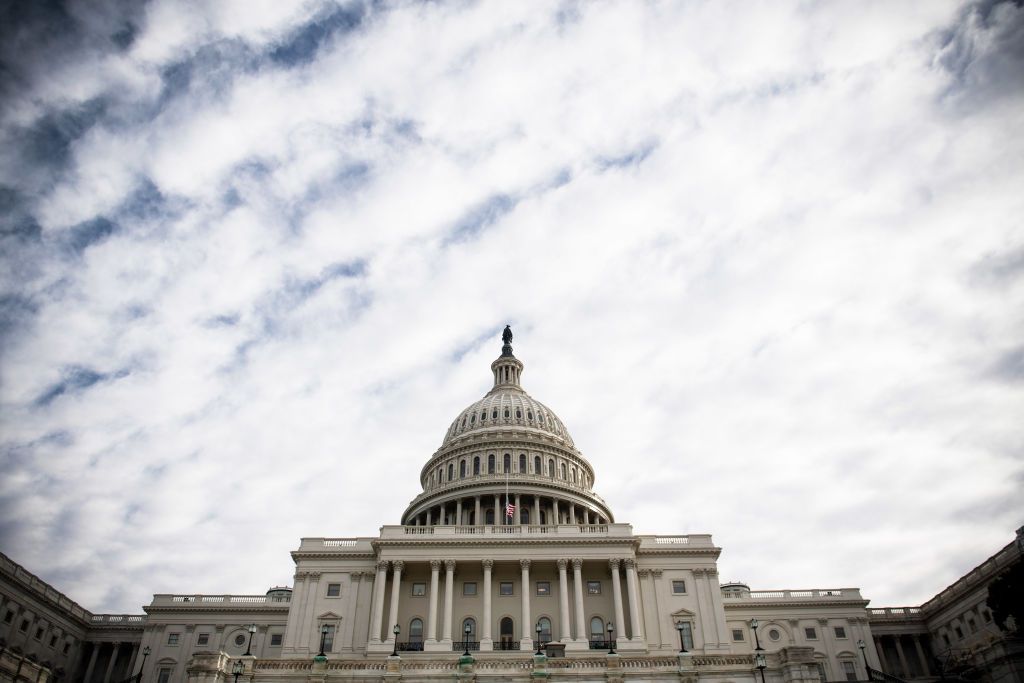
(765, 260)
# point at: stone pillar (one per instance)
(497, 509)
(636, 630)
(883, 665)
(113, 659)
(435, 569)
(620, 619)
(476, 512)
(92, 663)
(485, 628)
(527, 628)
(903, 659)
(449, 587)
(396, 592)
(652, 616)
(925, 668)
(563, 599)
(519, 512)
(458, 512)
(378, 601)
(356, 582)
(133, 658)
(577, 580)
(536, 510)
(572, 513)
(554, 509)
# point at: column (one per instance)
(378, 601)
(113, 659)
(435, 568)
(620, 619)
(527, 627)
(449, 586)
(536, 510)
(572, 514)
(396, 592)
(519, 512)
(563, 599)
(577, 580)
(458, 512)
(883, 664)
(636, 630)
(131, 660)
(92, 663)
(925, 669)
(485, 628)
(356, 582)
(497, 509)
(554, 506)
(652, 616)
(476, 512)
(903, 659)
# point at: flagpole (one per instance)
(506, 491)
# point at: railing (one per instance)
(896, 612)
(464, 645)
(549, 530)
(507, 645)
(662, 540)
(207, 600)
(126, 619)
(473, 480)
(847, 593)
(602, 644)
(882, 677)
(410, 646)
(337, 542)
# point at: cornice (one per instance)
(340, 553)
(492, 541)
(216, 607)
(799, 602)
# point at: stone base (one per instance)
(631, 645)
(486, 645)
(436, 646)
(380, 647)
(577, 645)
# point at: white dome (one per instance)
(504, 407)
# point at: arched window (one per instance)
(529, 414)
(574, 475)
(472, 419)
(483, 415)
(543, 517)
(545, 630)
(540, 418)
(494, 414)
(551, 468)
(505, 628)
(522, 462)
(471, 623)
(536, 464)
(524, 515)
(490, 464)
(519, 414)
(451, 471)
(416, 634)
(463, 421)
(489, 516)
(597, 629)
(507, 463)
(506, 413)
(476, 464)
(563, 471)
(462, 469)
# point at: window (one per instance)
(471, 623)
(551, 468)
(519, 414)
(24, 625)
(970, 624)
(39, 633)
(239, 640)
(540, 418)
(774, 634)
(203, 639)
(522, 462)
(505, 588)
(506, 463)
(164, 676)
(687, 632)
(678, 587)
(9, 617)
(489, 516)
(821, 672)
(573, 475)
(810, 634)
(506, 413)
(737, 634)
(67, 647)
(593, 587)
(451, 471)
(849, 671)
(416, 630)
(333, 590)
(986, 615)
(472, 419)
(506, 629)
(563, 471)
(545, 629)
(840, 631)
(172, 638)
(524, 515)
(536, 465)
(53, 641)
(419, 590)
(483, 415)
(476, 464)
(329, 638)
(597, 629)
(494, 414)
(959, 632)
(490, 464)
(543, 588)
(275, 640)
(462, 469)
(469, 588)
(945, 638)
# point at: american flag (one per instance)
(510, 511)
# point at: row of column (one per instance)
(397, 566)
(555, 512)
(923, 668)
(114, 654)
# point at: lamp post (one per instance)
(759, 659)
(237, 669)
(611, 638)
(465, 641)
(145, 653)
(538, 629)
(324, 630)
(396, 630)
(248, 648)
(864, 656)
(682, 643)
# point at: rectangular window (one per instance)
(593, 587)
(67, 646)
(821, 672)
(849, 671)
(9, 617)
(543, 588)
(333, 590)
(737, 634)
(505, 588)
(329, 638)
(39, 633)
(971, 625)
(24, 625)
(945, 638)
(469, 588)
(419, 590)
(840, 631)
(203, 639)
(810, 634)
(172, 638)
(959, 633)
(275, 640)
(53, 641)
(678, 587)
(986, 615)
(164, 676)
(687, 633)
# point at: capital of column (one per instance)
(435, 565)
(562, 564)
(524, 563)
(823, 622)
(382, 566)
(398, 565)
(629, 562)
(613, 563)
(449, 565)
(313, 575)
(487, 564)
(656, 573)
(642, 573)
(356, 576)
(577, 563)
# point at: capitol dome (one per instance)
(507, 449)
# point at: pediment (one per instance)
(683, 613)
(328, 615)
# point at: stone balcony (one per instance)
(810, 595)
(199, 601)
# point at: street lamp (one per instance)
(538, 629)
(396, 630)
(248, 648)
(145, 653)
(465, 641)
(238, 669)
(759, 659)
(682, 643)
(861, 645)
(324, 630)
(611, 638)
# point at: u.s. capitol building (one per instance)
(508, 566)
